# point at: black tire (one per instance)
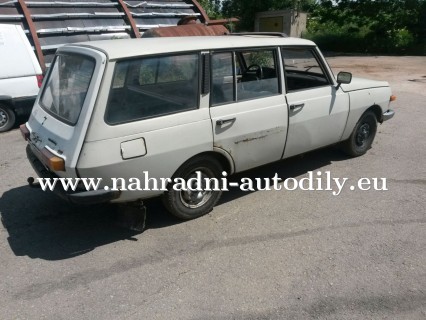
(363, 135)
(188, 205)
(7, 118)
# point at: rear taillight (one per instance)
(24, 131)
(54, 162)
(392, 98)
(39, 80)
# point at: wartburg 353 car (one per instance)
(177, 107)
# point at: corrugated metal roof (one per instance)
(69, 21)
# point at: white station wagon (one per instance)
(175, 107)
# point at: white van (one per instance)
(182, 107)
(20, 75)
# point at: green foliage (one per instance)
(382, 26)
(403, 38)
(246, 10)
(262, 58)
(212, 8)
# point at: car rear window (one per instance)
(67, 86)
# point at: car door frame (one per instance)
(263, 136)
(296, 107)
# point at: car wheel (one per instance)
(363, 135)
(187, 204)
(7, 118)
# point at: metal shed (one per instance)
(50, 24)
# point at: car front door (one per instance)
(248, 110)
(318, 111)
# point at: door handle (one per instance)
(223, 121)
(296, 106)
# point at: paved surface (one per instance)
(259, 255)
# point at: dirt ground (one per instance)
(403, 73)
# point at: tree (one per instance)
(246, 10)
(369, 25)
(212, 8)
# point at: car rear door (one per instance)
(248, 110)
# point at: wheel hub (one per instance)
(363, 134)
(198, 196)
(3, 118)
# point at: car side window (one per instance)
(222, 83)
(153, 87)
(244, 75)
(303, 69)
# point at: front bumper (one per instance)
(83, 197)
(388, 115)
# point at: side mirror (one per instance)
(344, 77)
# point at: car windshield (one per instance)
(67, 86)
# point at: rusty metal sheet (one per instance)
(186, 30)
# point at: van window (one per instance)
(152, 87)
(302, 69)
(66, 88)
(244, 75)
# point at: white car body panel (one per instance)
(361, 84)
(319, 122)
(19, 87)
(14, 47)
(257, 135)
(361, 100)
(166, 149)
(18, 63)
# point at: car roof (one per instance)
(125, 48)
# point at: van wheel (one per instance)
(7, 118)
(363, 135)
(189, 204)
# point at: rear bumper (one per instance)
(83, 197)
(388, 115)
(24, 105)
